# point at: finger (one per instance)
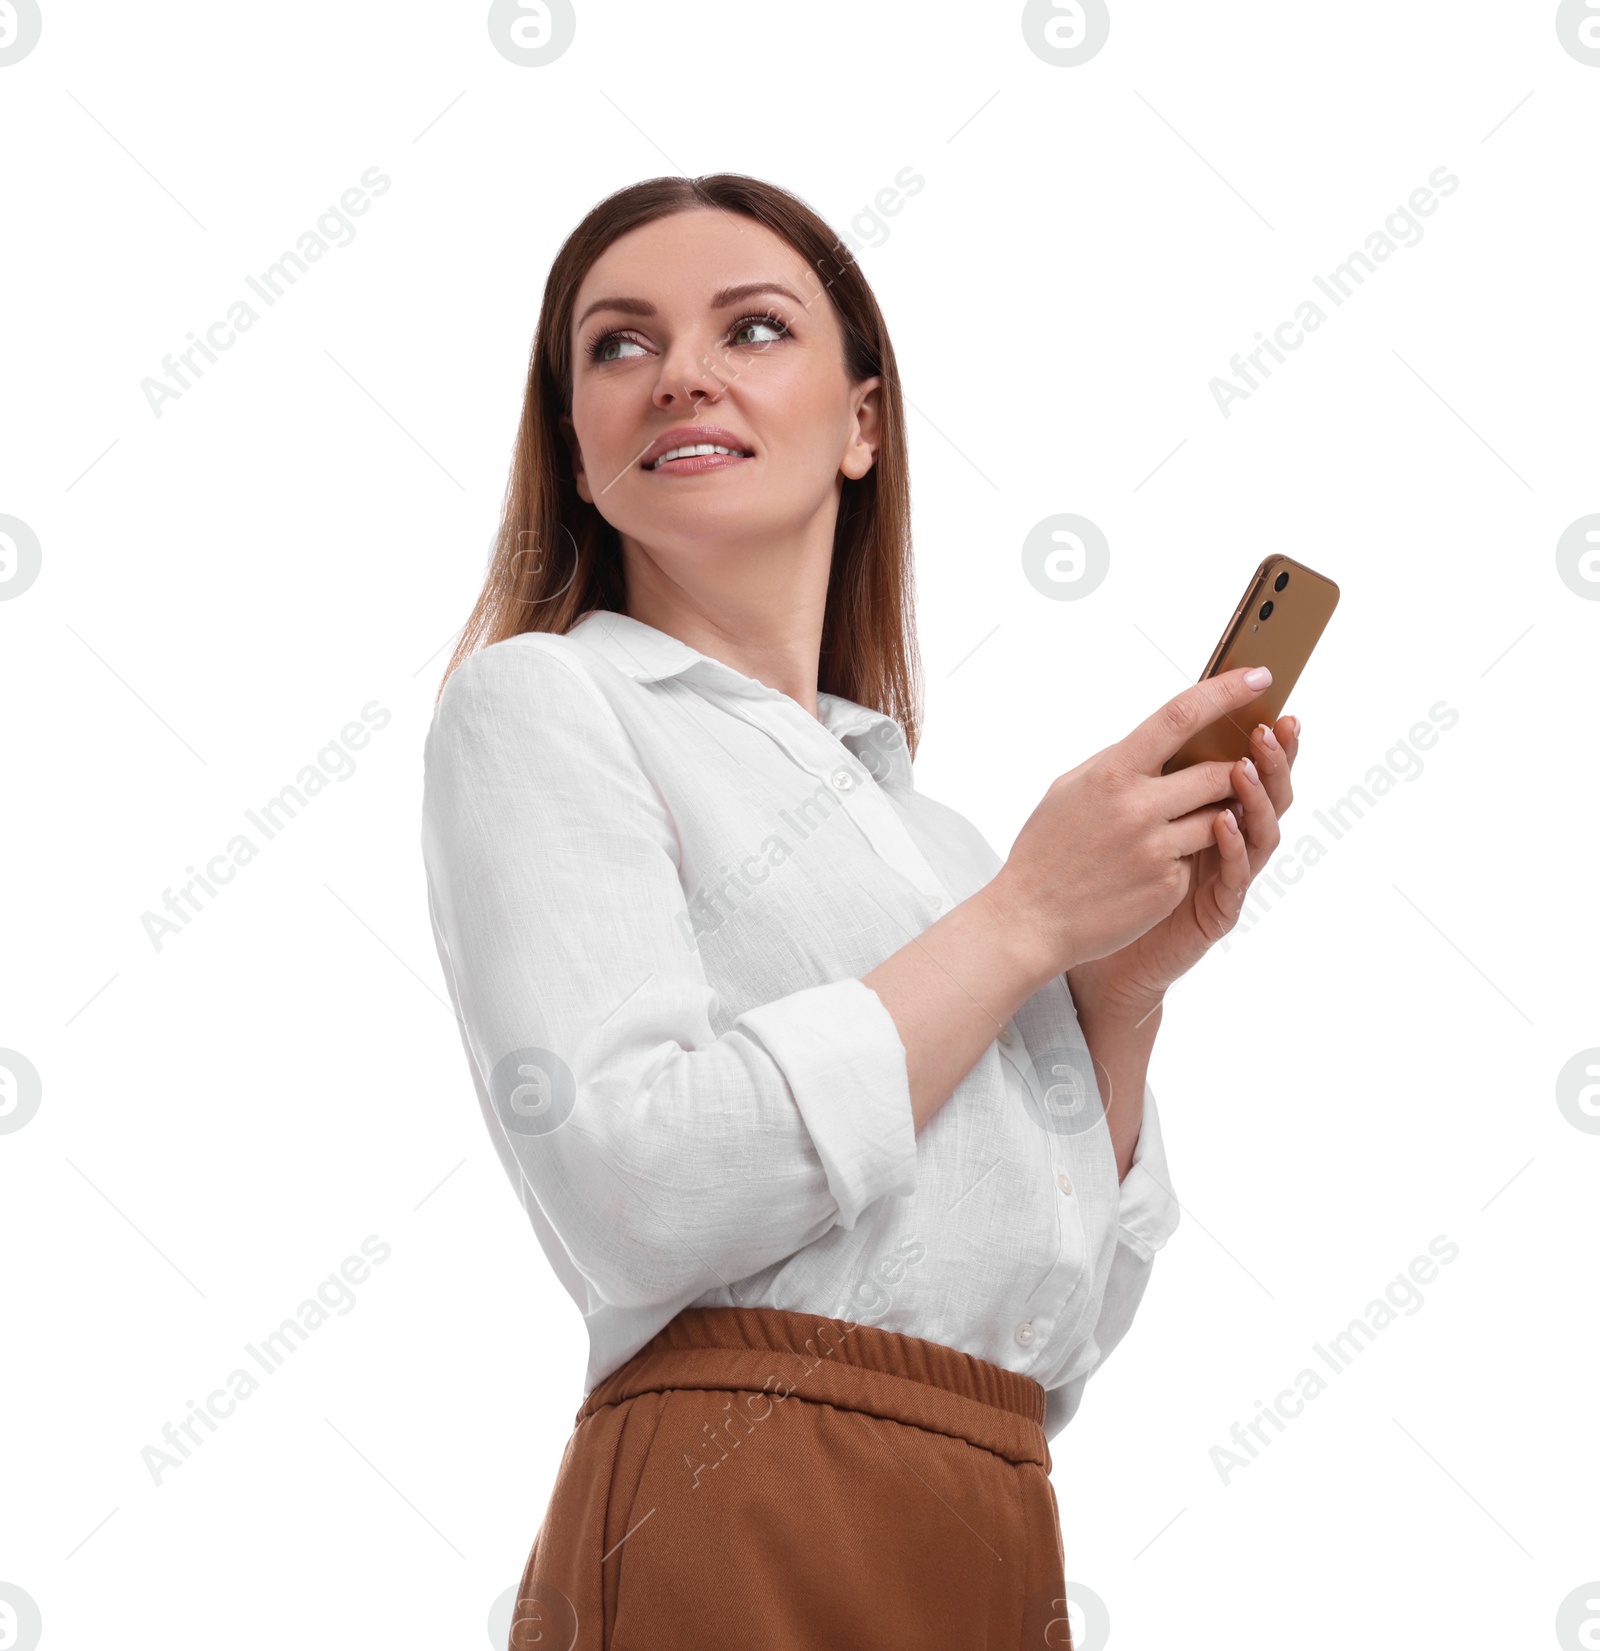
(1261, 833)
(1272, 763)
(1234, 873)
(1193, 832)
(1200, 783)
(1161, 735)
(1288, 732)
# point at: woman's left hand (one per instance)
(1133, 980)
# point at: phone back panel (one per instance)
(1282, 642)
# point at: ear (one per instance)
(861, 451)
(570, 431)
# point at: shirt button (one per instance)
(1025, 1334)
(1007, 1035)
(842, 780)
(1063, 1183)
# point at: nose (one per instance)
(688, 377)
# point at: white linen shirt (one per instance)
(654, 885)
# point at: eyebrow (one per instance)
(719, 300)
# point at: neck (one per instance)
(758, 609)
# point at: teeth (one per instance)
(693, 452)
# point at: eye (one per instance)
(613, 346)
(601, 348)
(770, 322)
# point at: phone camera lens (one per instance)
(1280, 581)
(1266, 609)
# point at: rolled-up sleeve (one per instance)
(667, 1159)
(1148, 1212)
(840, 1051)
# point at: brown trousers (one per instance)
(761, 1480)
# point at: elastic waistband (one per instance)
(836, 1362)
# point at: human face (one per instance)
(706, 327)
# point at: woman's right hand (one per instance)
(1102, 858)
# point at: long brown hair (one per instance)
(555, 556)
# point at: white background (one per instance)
(222, 588)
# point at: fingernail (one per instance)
(1257, 678)
(1268, 738)
(1296, 722)
(1233, 824)
(1250, 772)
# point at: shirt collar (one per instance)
(646, 654)
(637, 649)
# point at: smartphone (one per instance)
(1285, 608)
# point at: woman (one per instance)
(834, 1125)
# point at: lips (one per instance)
(691, 437)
